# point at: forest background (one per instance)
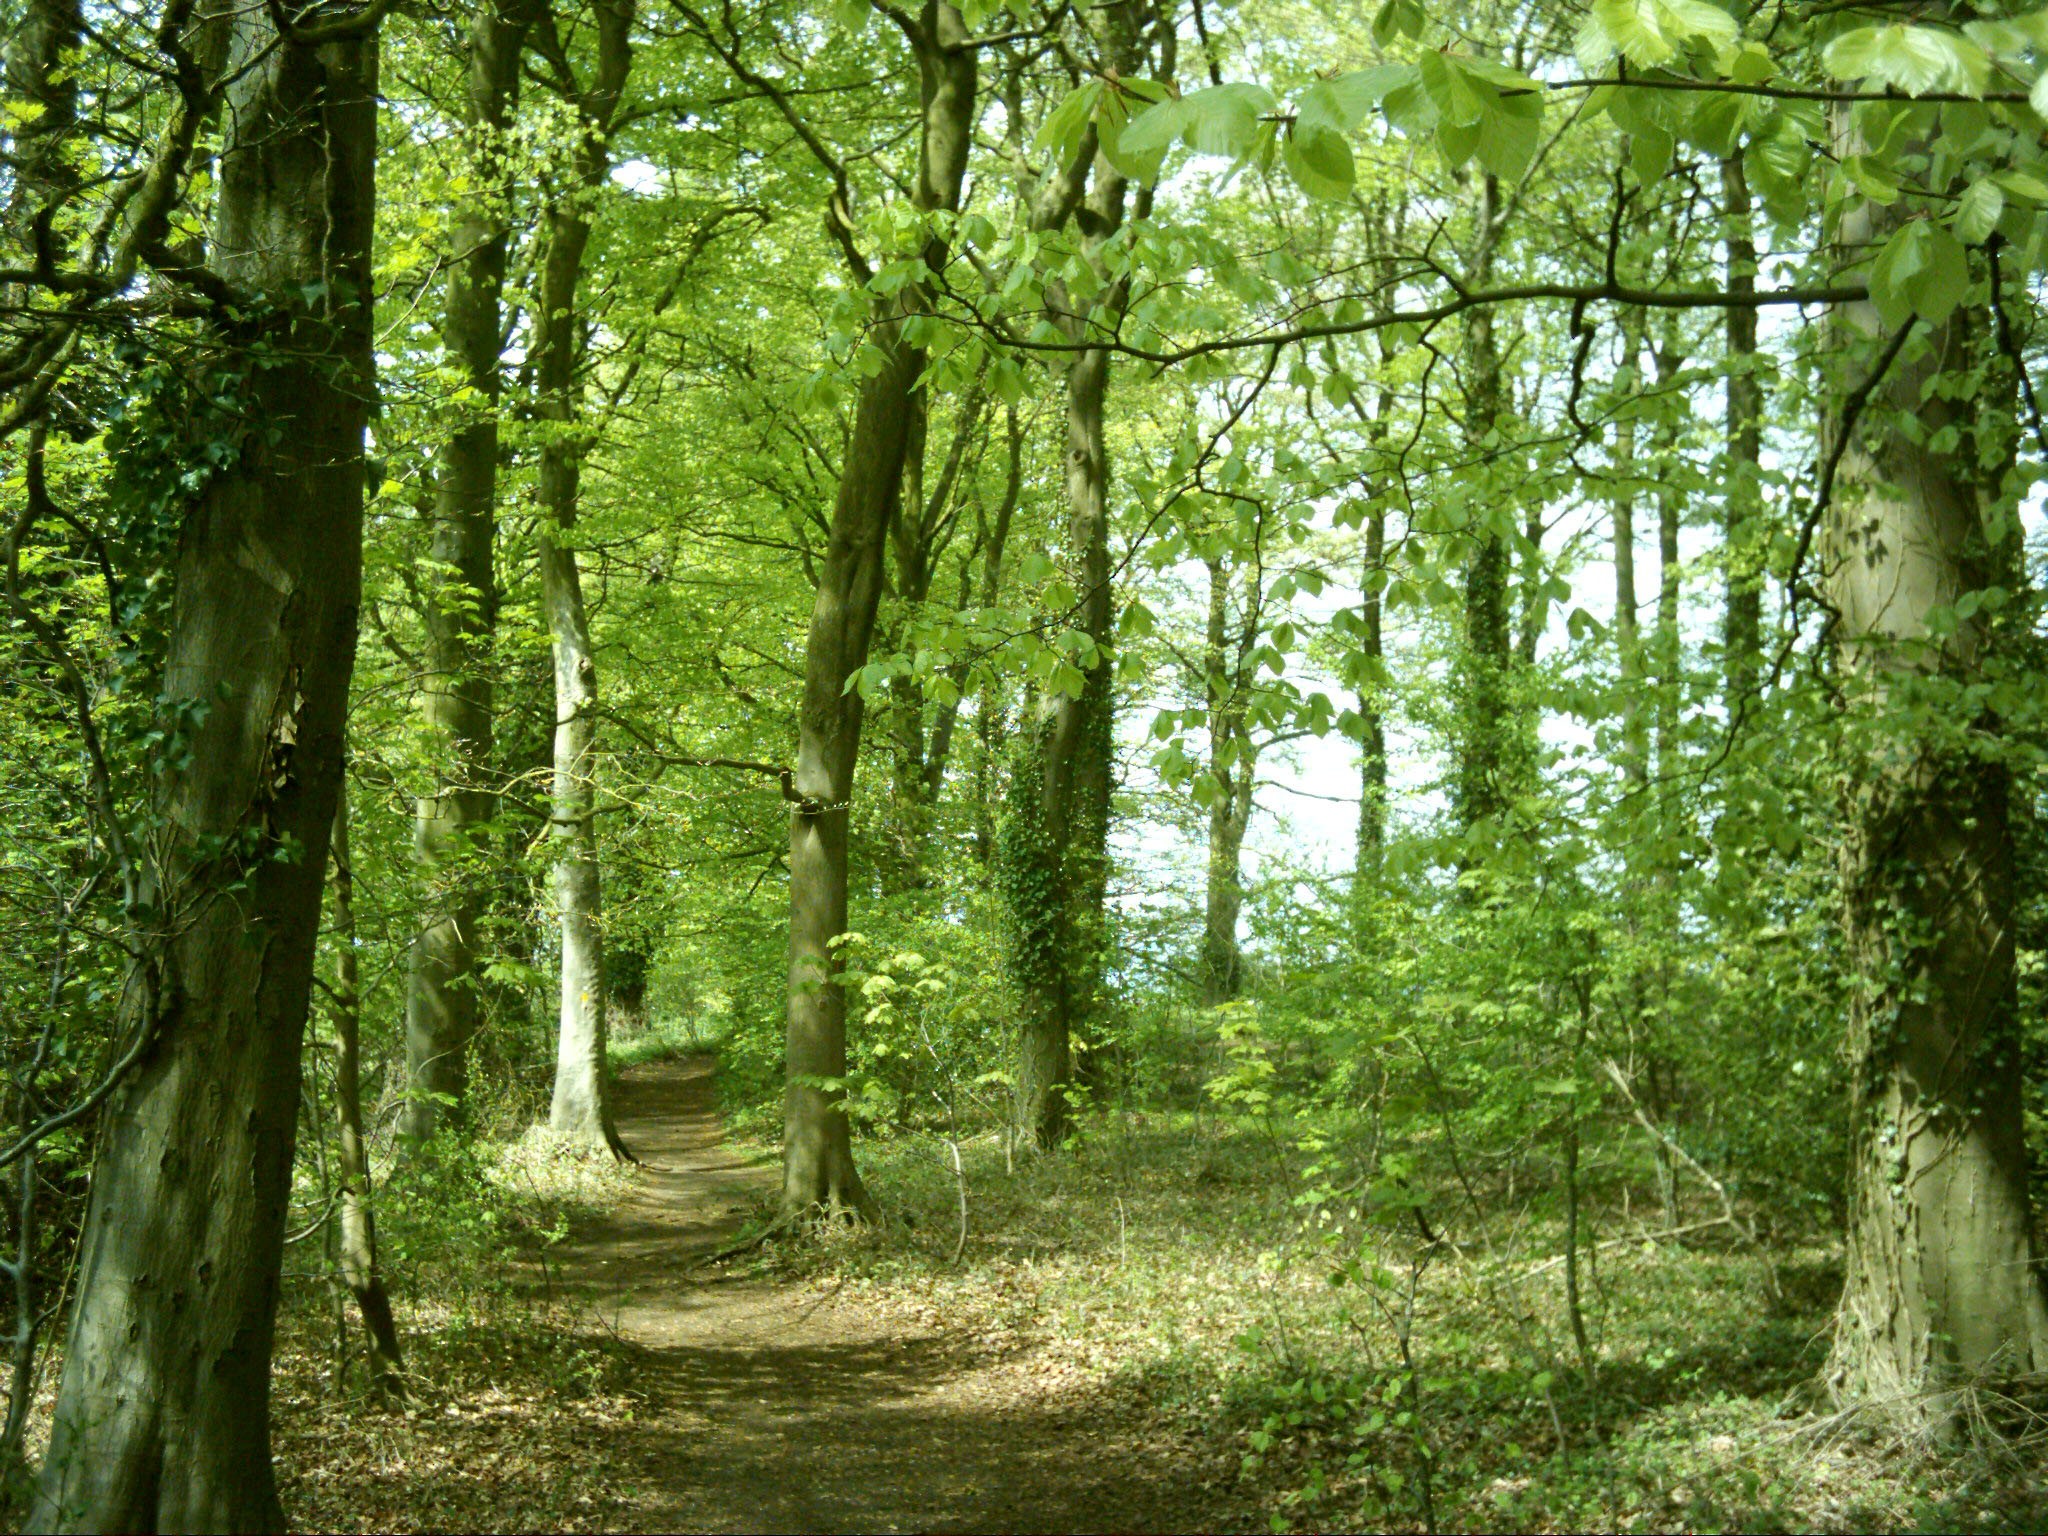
(889, 543)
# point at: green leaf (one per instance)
(1067, 124)
(1923, 269)
(1978, 212)
(1320, 161)
(1914, 60)
(1650, 32)
(1113, 121)
(1225, 119)
(1398, 18)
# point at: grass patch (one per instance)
(664, 1038)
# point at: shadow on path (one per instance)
(768, 1409)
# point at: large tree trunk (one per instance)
(442, 989)
(162, 1419)
(1742, 497)
(358, 1226)
(1943, 1281)
(581, 1107)
(817, 1152)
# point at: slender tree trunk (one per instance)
(1628, 641)
(162, 1419)
(1481, 784)
(1232, 771)
(1668, 645)
(442, 988)
(581, 1106)
(1372, 770)
(817, 1151)
(1742, 502)
(358, 1258)
(1944, 1284)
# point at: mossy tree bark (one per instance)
(162, 1418)
(1944, 1286)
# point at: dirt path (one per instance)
(771, 1408)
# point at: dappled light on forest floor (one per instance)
(1118, 1347)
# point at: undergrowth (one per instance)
(1364, 1375)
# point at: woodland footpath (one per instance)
(1334, 719)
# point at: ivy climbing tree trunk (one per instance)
(1944, 1284)
(460, 603)
(1482, 770)
(162, 1419)
(581, 1107)
(1064, 864)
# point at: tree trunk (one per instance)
(1066, 859)
(1372, 770)
(581, 1107)
(1480, 787)
(162, 1419)
(1943, 1283)
(1232, 767)
(442, 990)
(1742, 503)
(358, 1257)
(1668, 645)
(1628, 641)
(817, 1151)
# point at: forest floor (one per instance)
(722, 1397)
(1141, 1334)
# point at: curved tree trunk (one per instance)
(162, 1419)
(817, 1150)
(1944, 1285)
(442, 990)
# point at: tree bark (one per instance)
(1944, 1285)
(1064, 865)
(817, 1151)
(1742, 498)
(162, 1419)
(358, 1255)
(460, 611)
(1232, 769)
(581, 1108)
(1628, 640)
(1481, 774)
